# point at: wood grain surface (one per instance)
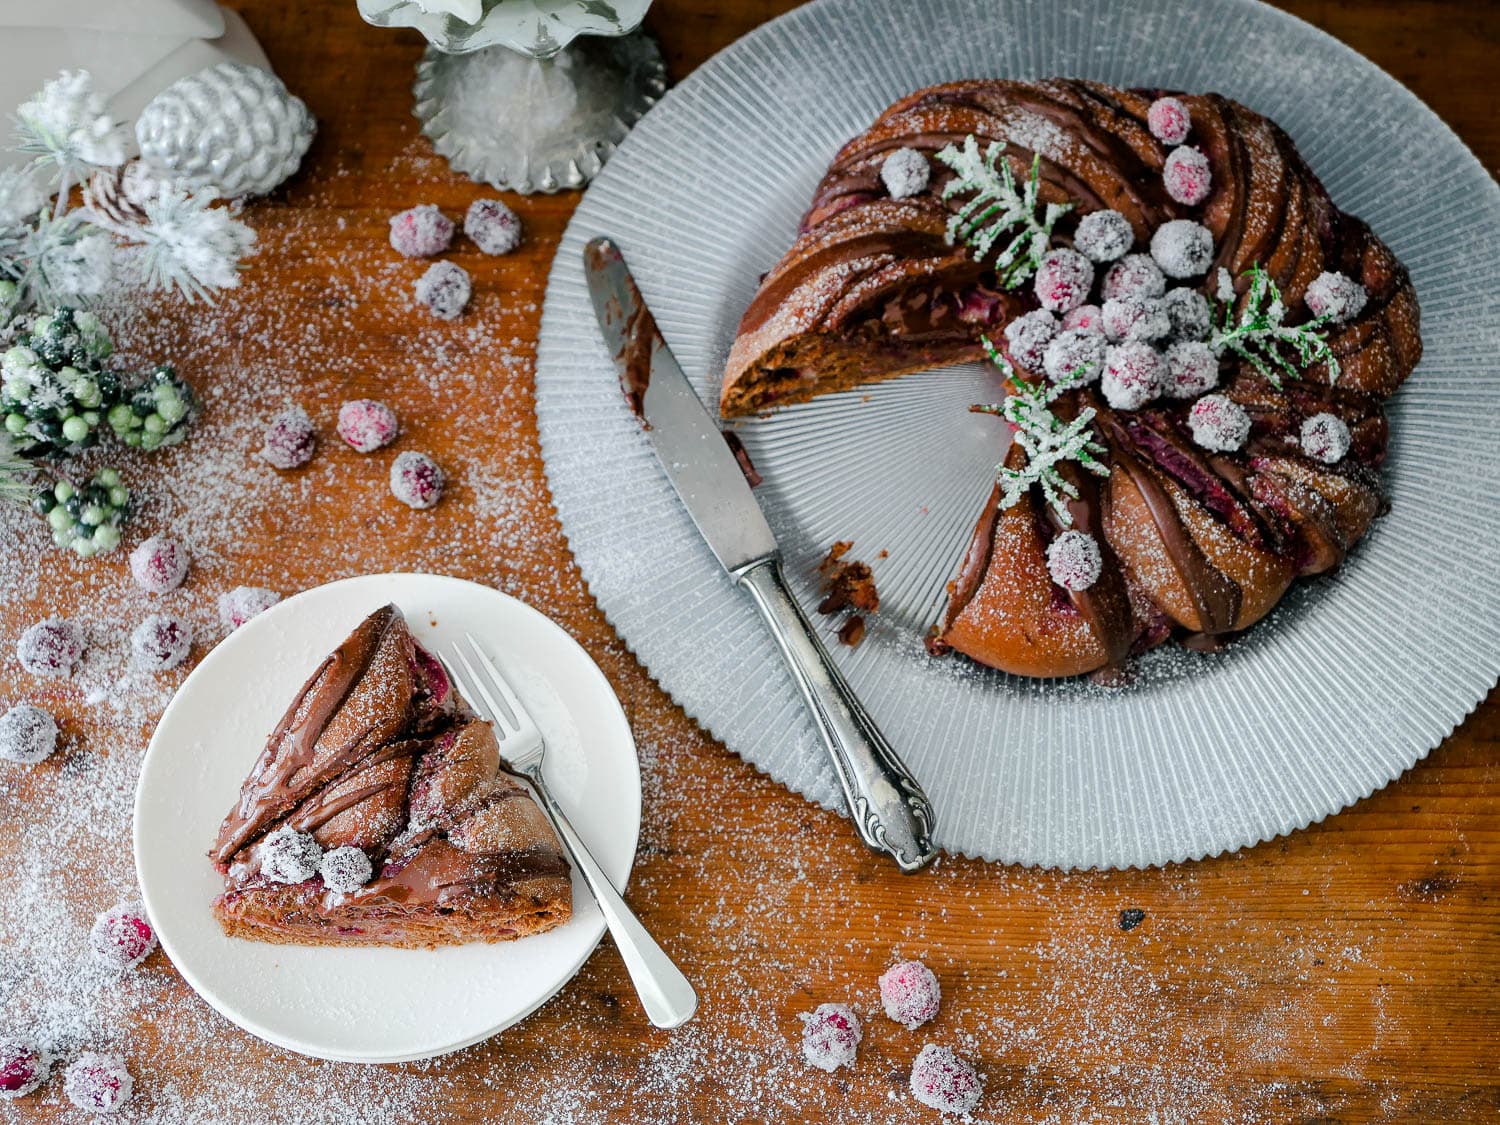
(1348, 973)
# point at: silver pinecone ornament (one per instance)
(231, 129)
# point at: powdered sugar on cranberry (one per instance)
(1063, 280)
(160, 642)
(1182, 248)
(159, 564)
(1169, 121)
(1085, 316)
(244, 602)
(28, 735)
(1103, 236)
(1188, 313)
(910, 993)
(1192, 369)
(345, 870)
(289, 856)
(421, 231)
(1133, 375)
(1219, 424)
(417, 480)
(122, 937)
(1076, 355)
(1325, 437)
(51, 648)
(830, 1036)
(290, 440)
(444, 290)
(1135, 275)
(492, 226)
(23, 1067)
(945, 1082)
(98, 1083)
(1026, 338)
(905, 173)
(1187, 175)
(1336, 296)
(367, 425)
(1135, 318)
(1074, 560)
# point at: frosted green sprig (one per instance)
(1261, 336)
(999, 209)
(1045, 438)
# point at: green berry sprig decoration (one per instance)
(85, 518)
(53, 386)
(155, 413)
(56, 398)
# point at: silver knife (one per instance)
(891, 813)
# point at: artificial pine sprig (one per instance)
(998, 209)
(15, 474)
(1261, 336)
(1045, 438)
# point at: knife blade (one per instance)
(890, 811)
(688, 443)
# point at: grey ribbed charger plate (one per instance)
(1349, 683)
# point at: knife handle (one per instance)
(891, 813)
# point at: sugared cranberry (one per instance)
(1085, 316)
(27, 734)
(160, 642)
(417, 480)
(1325, 438)
(944, 1082)
(910, 993)
(1187, 175)
(421, 231)
(444, 289)
(492, 226)
(1063, 280)
(830, 1036)
(51, 648)
(290, 439)
(1133, 375)
(1135, 318)
(98, 1083)
(1188, 313)
(244, 602)
(1103, 236)
(1134, 275)
(345, 870)
(289, 856)
(1182, 248)
(1337, 296)
(1219, 424)
(1026, 338)
(23, 1067)
(1074, 560)
(905, 173)
(122, 937)
(1075, 356)
(1169, 121)
(366, 425)
(1192, 369)
(159, 564)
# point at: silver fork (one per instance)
(665, 993)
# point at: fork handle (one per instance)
(891, 812)
(665, 993)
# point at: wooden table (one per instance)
(1350, 972)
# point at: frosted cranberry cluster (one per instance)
(910, 996)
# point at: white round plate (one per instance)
(1353, 680)
(357, 1004)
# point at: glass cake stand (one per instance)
(528, 95)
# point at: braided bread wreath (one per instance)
(1196, 344)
